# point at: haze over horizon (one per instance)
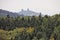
(49, 7)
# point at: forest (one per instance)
(30, 27)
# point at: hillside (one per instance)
(29, 27)
(11, 14)
(28, 13)
(21, 13)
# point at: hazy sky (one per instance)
(44, 6)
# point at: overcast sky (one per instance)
(45, 6)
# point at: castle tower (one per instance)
(28, 9)
(22, 10)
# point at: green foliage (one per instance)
(30, 27)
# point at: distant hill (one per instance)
(4, 13)
(28, 13)
(21, 13)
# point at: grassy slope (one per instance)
(7, 35)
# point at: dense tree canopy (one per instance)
(30, 27)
